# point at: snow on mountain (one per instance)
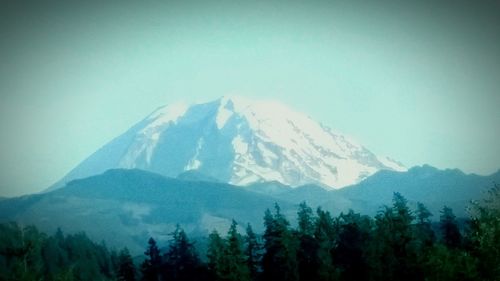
(239, 141)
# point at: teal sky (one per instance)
(417, 82)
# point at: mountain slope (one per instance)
(126, 207)
(237, 141)
(433, 187)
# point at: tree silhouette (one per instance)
(126, 269)
(150, 268)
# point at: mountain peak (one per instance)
(239, 141)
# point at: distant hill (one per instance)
(125, 207)
(426, 184)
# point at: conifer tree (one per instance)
(150, 268)
(484, 235)
(325, 233)
(215, 255)
(126, 269)
(253, 253)
(424, 232)
(305, 220)
(307, 252)
(279, 261)
(395, 249)
(449, 228)
(349, 253)
(235, 259)
(181, 259)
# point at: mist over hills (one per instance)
(125, 207)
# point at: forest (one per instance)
(399, 243)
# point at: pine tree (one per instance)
(279, 261)
(349, 253)
(325, 233)
(307, 253)
(215, 255)
(394, 245)
(424, 232)
(181, 259)
(253, 253)
(305, 220)
(449, 228)
(484, 235)
(227, 259)
(235, 259)
(150, 268)
(126, 269)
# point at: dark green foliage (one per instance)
(26, 254)
(150, 268)
(349, 254)
(236, 259)
(280, 259)
(484, 235)
(305, 220)
(395, 247)
(445, 264)
(449, 228)
(398, 244)
(423, 228)
(227, 258)
(215, 254)
(307, 253)
(126, 269)
(181, 261)
(253, 252)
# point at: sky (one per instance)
(418, 82)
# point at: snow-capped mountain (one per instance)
(239, 141)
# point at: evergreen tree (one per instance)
(279, 262)
(446, 264)
(305, 220)
(227, 259)
(424, 232)
(449, 228)
(307, 252)
(150, 268)
(484, 235)
(84, 254)
(349, 254)
(253, 253)
(181, 259)
(215, 254)
(395, 250)
(126, 269)
(235, 259)
(325, 234)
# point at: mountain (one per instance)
(426, 184)
(237, 141)
(429, 185)
(126, 207)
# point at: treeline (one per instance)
(397, 244)
(27, 254)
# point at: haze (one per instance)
(417, 82)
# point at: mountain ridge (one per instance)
(237, 141)
(126, 206)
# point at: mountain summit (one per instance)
(238, 141)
